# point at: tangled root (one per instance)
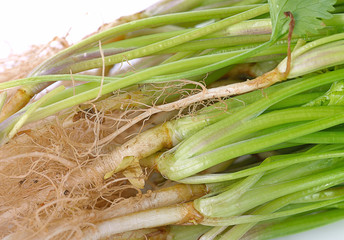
(36, 165)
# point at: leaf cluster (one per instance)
(306, 13)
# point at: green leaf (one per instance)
(307, 15)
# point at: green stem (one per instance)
(197, 66)
(272, 119)
(277, 192)
(238, 57)
(212, 233)
(168, 43)
(275, 162)
(155, 21)
(92, 89)
(327, 194)
(258, 218)
(294, 224)
(184, 167)
(297, 100)
(3, 97)
(206, 205)
(308, 47)
(298, 170)
(55, 78)
(215, 131)
(326, 57)
(323, 137)
(238, 231)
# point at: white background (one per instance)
(27, 22)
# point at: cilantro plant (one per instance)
(167, 91)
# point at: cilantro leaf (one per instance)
(307, 15)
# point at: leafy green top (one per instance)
(307, 15)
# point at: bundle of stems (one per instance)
(201, 119)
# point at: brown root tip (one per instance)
(291, 29)
(16, 102)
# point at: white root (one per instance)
(161, 198)
(52, 157)
(148, 204)
(9, 215)
(177, 214)
(260, 82)
(141, 146)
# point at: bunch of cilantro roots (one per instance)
(192, 119)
